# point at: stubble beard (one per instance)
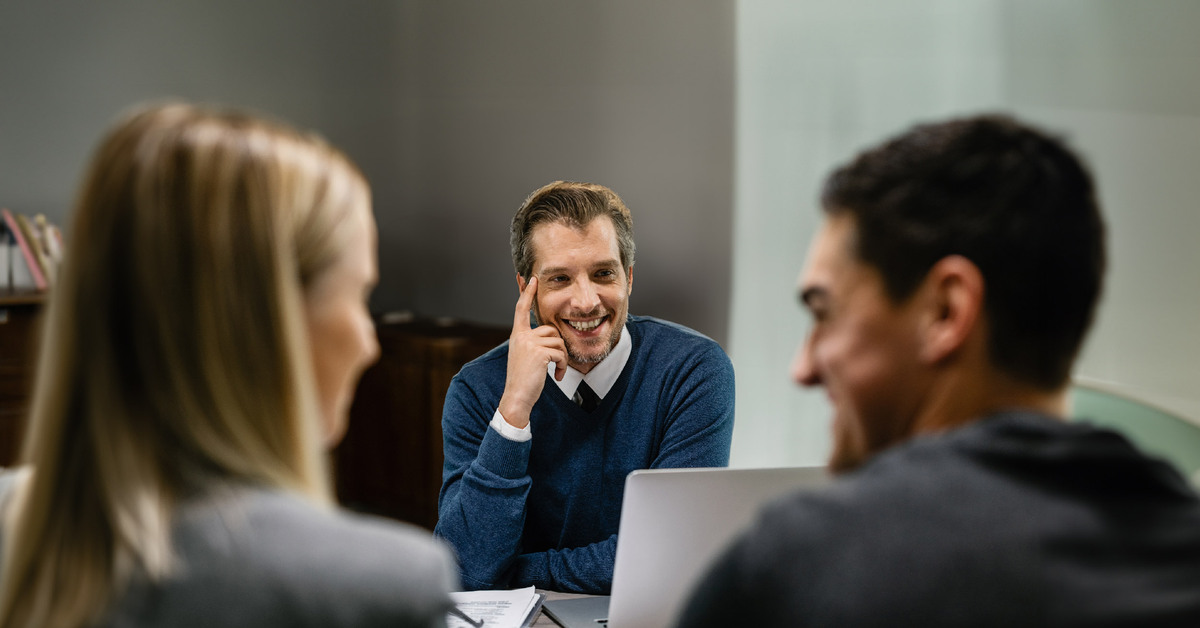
(573, 354)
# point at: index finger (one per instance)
(524, 305)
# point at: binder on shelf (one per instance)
(53, 237)
(39, 237)
(34, 241)
(20, 278)
(27, 253)
(5, 256)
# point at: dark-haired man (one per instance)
(540, 432)
(951, 287)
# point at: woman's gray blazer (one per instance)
(250, 557)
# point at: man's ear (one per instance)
(629, 281)
(953, 293)
(520, 283)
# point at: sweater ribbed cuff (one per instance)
(504, 457)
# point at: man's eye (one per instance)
(606, 273)
(558, 279)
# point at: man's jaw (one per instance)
(588, 339)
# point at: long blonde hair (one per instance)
(174, 354)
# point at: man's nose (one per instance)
(584, 298)
(804, 369)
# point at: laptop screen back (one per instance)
(674, 522)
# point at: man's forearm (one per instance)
(586, 569)
(481, 510)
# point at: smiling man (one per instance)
(540, 432)
(951, 287)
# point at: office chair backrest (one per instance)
(1155, 430)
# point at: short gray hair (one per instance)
(575, 205)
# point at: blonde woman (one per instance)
(199, 357)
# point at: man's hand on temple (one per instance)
(530, 349)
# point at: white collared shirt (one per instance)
(600, 379)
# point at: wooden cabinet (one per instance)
(19, 318)
(390, 462)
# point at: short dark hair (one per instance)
(575, 205)
(1013, 200)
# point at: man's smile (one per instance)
(586, 325)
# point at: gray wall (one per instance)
(1121, 80)
(497, 99)
(68, 68)
(818, 80)
(455, 110)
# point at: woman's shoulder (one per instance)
(332, 567)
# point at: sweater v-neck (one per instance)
(607, 402)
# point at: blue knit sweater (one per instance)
(545, 512)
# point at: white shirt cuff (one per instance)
(507, 430)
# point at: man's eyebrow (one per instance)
(609, 263)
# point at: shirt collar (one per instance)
(604, 375)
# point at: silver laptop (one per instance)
(674, 522)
